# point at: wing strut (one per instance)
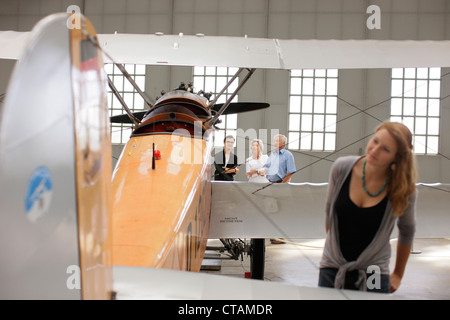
(227, 103)
(133, 119)
(225, 88)
(134, 84)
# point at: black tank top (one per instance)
(357, 226)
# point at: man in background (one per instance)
(280, 166)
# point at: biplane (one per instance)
(66, 228)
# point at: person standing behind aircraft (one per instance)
(280, 166)
(367, 196)
(226, 161)
(255, 164)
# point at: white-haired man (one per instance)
(280, 166)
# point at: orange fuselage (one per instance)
(161, 216)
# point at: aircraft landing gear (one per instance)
(234, 249)
(257, 258)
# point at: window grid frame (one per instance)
(229, 122)
(313, 132)
(118, 130)
(411, 119)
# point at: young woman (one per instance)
(226, 162)
(366, 196)
(256, 162)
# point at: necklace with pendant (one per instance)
(364, 182)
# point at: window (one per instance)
(120, 132)
(313, 109)
(415, 102)
(214, 79)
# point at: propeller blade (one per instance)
(234, 107)
(239, 107)
(124, 118)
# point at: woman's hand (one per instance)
(400, 265)
(395, 282)
(251, 173)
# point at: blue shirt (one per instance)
(279, 165)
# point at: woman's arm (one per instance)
(287, 178)
(400, 265)
(407, 227)
(248, 170)
(334, 172)
(251, 173)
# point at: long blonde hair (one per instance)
(403, 172)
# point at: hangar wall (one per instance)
(283, 19)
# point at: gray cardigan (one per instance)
(378, 252)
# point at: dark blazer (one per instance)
(219, 161)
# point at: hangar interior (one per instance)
(363, 98)
(367, 89)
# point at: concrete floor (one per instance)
(427, 274)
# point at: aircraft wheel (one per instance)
(257, 258)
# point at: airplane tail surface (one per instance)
(55, 169)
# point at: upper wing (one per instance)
(188, 50)
(273, 53)
(13, 44)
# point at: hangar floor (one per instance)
(427, 274)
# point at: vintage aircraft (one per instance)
(60, 213)
(162, 207)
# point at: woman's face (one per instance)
(255, 148)
(229, 143)
(381, 149)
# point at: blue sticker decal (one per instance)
(39, 193)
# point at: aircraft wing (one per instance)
(138, 283)
(283, 210)
(273, 53)
(191, 50)
(297, 210)
(13, 44)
